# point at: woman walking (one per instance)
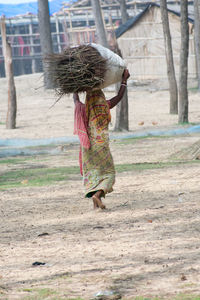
(91, 125)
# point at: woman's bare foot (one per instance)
(97, 200)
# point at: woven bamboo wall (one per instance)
(143, 46)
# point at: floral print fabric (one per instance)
(97, 162)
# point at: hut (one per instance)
(141, 42)
(140, 38)
(72, 23)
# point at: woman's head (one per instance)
(93, 93)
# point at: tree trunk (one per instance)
(169, 59)
(197, 37)
(123, 10)
(12, 101)
(45, 39)
(183, 76)
(122, 119)
(122, 107)
(101, 33)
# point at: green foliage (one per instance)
(36, 177)
(45, 293)
(14, 160)
(132, 140)
(47, 176)
(178, 297)
(40, 294)
(187, 297)
(146, 166)
(194, 89)
(187, 123)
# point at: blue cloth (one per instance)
(11, 10)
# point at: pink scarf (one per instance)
(80, 124)
(80, 128)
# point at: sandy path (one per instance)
(142, 245)
(36, 118)
(147, 241)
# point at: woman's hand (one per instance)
(125, 76)
(115, 100)
(75, 97)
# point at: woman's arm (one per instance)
(115, 100)
(76, 97)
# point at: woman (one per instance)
(91, 125)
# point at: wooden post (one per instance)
(87, 19)
(20, 67)
(32, 52)
(72, 38)
(104, 22)
(58, 35)
(12, 102)
(66, 33)
(135, 8)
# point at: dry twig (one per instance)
(77, 69)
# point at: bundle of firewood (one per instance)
(84, 68)
(77, 69)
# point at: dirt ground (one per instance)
(146, 243)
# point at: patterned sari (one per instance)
(97, 162)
